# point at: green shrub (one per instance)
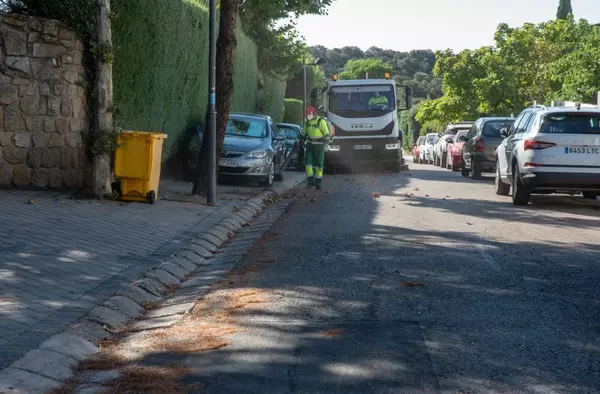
(273, 94)
(293, 111)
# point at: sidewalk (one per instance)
(59, 257)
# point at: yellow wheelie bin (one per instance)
(137, 164)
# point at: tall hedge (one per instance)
(411, 129)
(272, 96)
(161, 67)
(293, 111)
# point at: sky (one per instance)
(404, 25)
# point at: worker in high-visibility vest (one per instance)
(316, 134)
(378, 99)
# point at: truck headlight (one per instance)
(334, 148)
(257, 154)
(392, 146)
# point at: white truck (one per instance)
(363, 118)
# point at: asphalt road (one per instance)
(452, 289)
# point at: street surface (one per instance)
(452, 289)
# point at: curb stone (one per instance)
(48, 366)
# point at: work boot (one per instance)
(310, 182)
(318, 184)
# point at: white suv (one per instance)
(550, 150)
(428, 150)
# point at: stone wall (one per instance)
(43, 119)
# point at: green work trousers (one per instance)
(314, 162)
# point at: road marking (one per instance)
(488, 259)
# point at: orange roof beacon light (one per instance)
(387, 75)
(334, 77)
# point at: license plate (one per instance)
(227, 163)
(583, 151)
(358, 147)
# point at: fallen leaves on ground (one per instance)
(31, 201)
(416, 189)
(426, 195)
(152, 380)
(331, 333)
(375, 194)
(313, 199)
(470, 224)
(412, 284)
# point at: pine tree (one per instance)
(564, 9)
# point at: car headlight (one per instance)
(392, 146)
(257, 154)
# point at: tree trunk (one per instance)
(101, 183)
(226, 49)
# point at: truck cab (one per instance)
(363, 118)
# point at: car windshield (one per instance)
(291, 133)
(460, 134)
(492, 128)
(455, 130)
(246, 127)
(367, 99)
(574, 123)
(421, 141)
(430, 139)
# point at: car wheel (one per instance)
(590, 195)
(443, 163)
(268, 181)
(464, 171)
(475, 170)
(279, 176)
(502, 189)
(521, 193)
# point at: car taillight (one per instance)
(479, 145)
(537, 145)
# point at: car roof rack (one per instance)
(538, 106)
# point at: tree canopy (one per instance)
(564, 9)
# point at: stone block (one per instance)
(22, 140)
(70, 178)
(68, 158)
(159, 322)
(107, 317)
(80, 91)
(5, 79)
(212, 239)
(89, 330)
(66, 107)
(77, 125)
(151, 285)
(51, 27)
(35, 123)
(59, 89)
(34, 158)
(51, 158)
(199, 250)
(173, 269)
(36, 24)
(55, 179)
(185, 264)
(222, 236)
(49, 125)
(22, 90)
(70, 345)
(33, 37)
(15, 20)
(34, 105)
(5, 138)
(15, 40)
(17, 63)
(47, 50)
(6, 174)
(13, 119)
(14, 155)
(8, 94)
(63, 126)
(54, 106)
(205, 244)
(163, 277)
(125, 305)
(78, 108)
(40, 139)
(21, 81)
(21, 176)
(71, 76)
(139, 295)
(45, 68)
(193, 257)
(47, 363)
(39, 178)
(44, 89)
(55, 139)
(17, 381)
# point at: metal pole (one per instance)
(211, 167)
(303, 88)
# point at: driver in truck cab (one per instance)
(316, 134)
(378, 99)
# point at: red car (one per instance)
(454, 161)
(416, 152)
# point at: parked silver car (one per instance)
(253, 148)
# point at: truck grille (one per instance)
(387, 130)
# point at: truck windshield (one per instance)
(362, 101)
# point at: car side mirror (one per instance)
(504, 132)
(462, 138)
